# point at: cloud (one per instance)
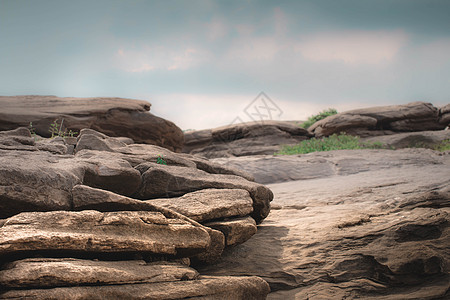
(255, 48)
(149, 58)
(216, 29)
(353, 46)
(280, 21)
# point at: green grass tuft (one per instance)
(443, 146)
(322, 115)
(333, 142)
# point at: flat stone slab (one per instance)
(209, 204)
(109, 232)
(281, 168)
(57, 272)
(206, 287)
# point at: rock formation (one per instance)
(101, 217)
(244, 139)
(98, 218)
(413, 124)
(116, 117)
(416, 116)
(350, 224)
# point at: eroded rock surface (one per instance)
(117, 117)
(375, 225)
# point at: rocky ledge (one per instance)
(382, 120)
(116, 117)
(399, 126)
(100, 217)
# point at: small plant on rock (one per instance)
(443, 146)
(322, 115)
(56, 130)
(32, 131)
(160, 160)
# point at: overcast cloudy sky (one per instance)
(201, 62)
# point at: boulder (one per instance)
(415, 116)
(444, 115)
(116, 117)
(36, 181)
(104, 171)
(244, 139)
(17, 139)
(236, 230)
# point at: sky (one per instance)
(202, 63)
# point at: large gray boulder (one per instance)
(116, 117)
(415, 116)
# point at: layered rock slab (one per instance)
(169, 181)
(112, 116)
(93, 231)
(205, 287)
(57, 272)
(210, 204)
